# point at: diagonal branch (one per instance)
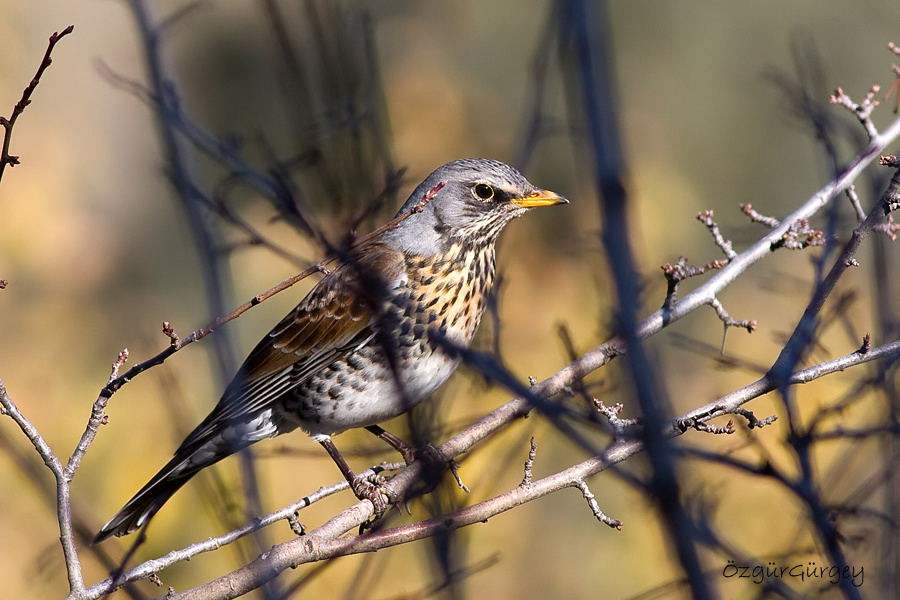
(706, 292)
(595, 358)
(5, 157)
(198, 334)
(329, 541)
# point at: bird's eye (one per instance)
(483, 191)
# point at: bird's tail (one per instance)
(154, 495)
(214, 439)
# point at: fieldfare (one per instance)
(371, 339)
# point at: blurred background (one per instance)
(346, 106)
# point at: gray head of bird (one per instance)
(477, 199)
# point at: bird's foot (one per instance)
(373, 492)
(435, 462)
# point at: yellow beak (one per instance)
(539, 198)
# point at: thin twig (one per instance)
(198, 334)
(862, 110)
(5, 157)
(601, 355)
(328, 541)
(595, 508)
(706, 217)
(529, 463)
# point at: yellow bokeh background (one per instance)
(97, 253)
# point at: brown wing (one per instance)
(333, 319)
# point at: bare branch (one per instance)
(798, 236)
(803, 333)
(518, 407)
(620, 426)
(30, 431)
(529, 463)
(97, 419)
(706, 217)
(326, 541)
(854, 201)
(288, 513)
(749, 325)
(63, 479)
(752, 421)
(680, 271)
(704, 427)
(595, 508)
(178, 343)
(863, 110)
(8, 123)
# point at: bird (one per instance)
(370, 340)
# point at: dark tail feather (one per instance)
(212, 440)
(152, 496)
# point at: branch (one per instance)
(802, 335)
(177, 343)
(577, 370)
(315, 548)
(327, 541)
(560, 381)
(862, 110)
(288, 513)
(762, 248)
(63, 479)
(5, 157)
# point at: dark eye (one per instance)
(483, 191)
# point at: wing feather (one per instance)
(332, 320)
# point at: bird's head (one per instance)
(477, 199)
